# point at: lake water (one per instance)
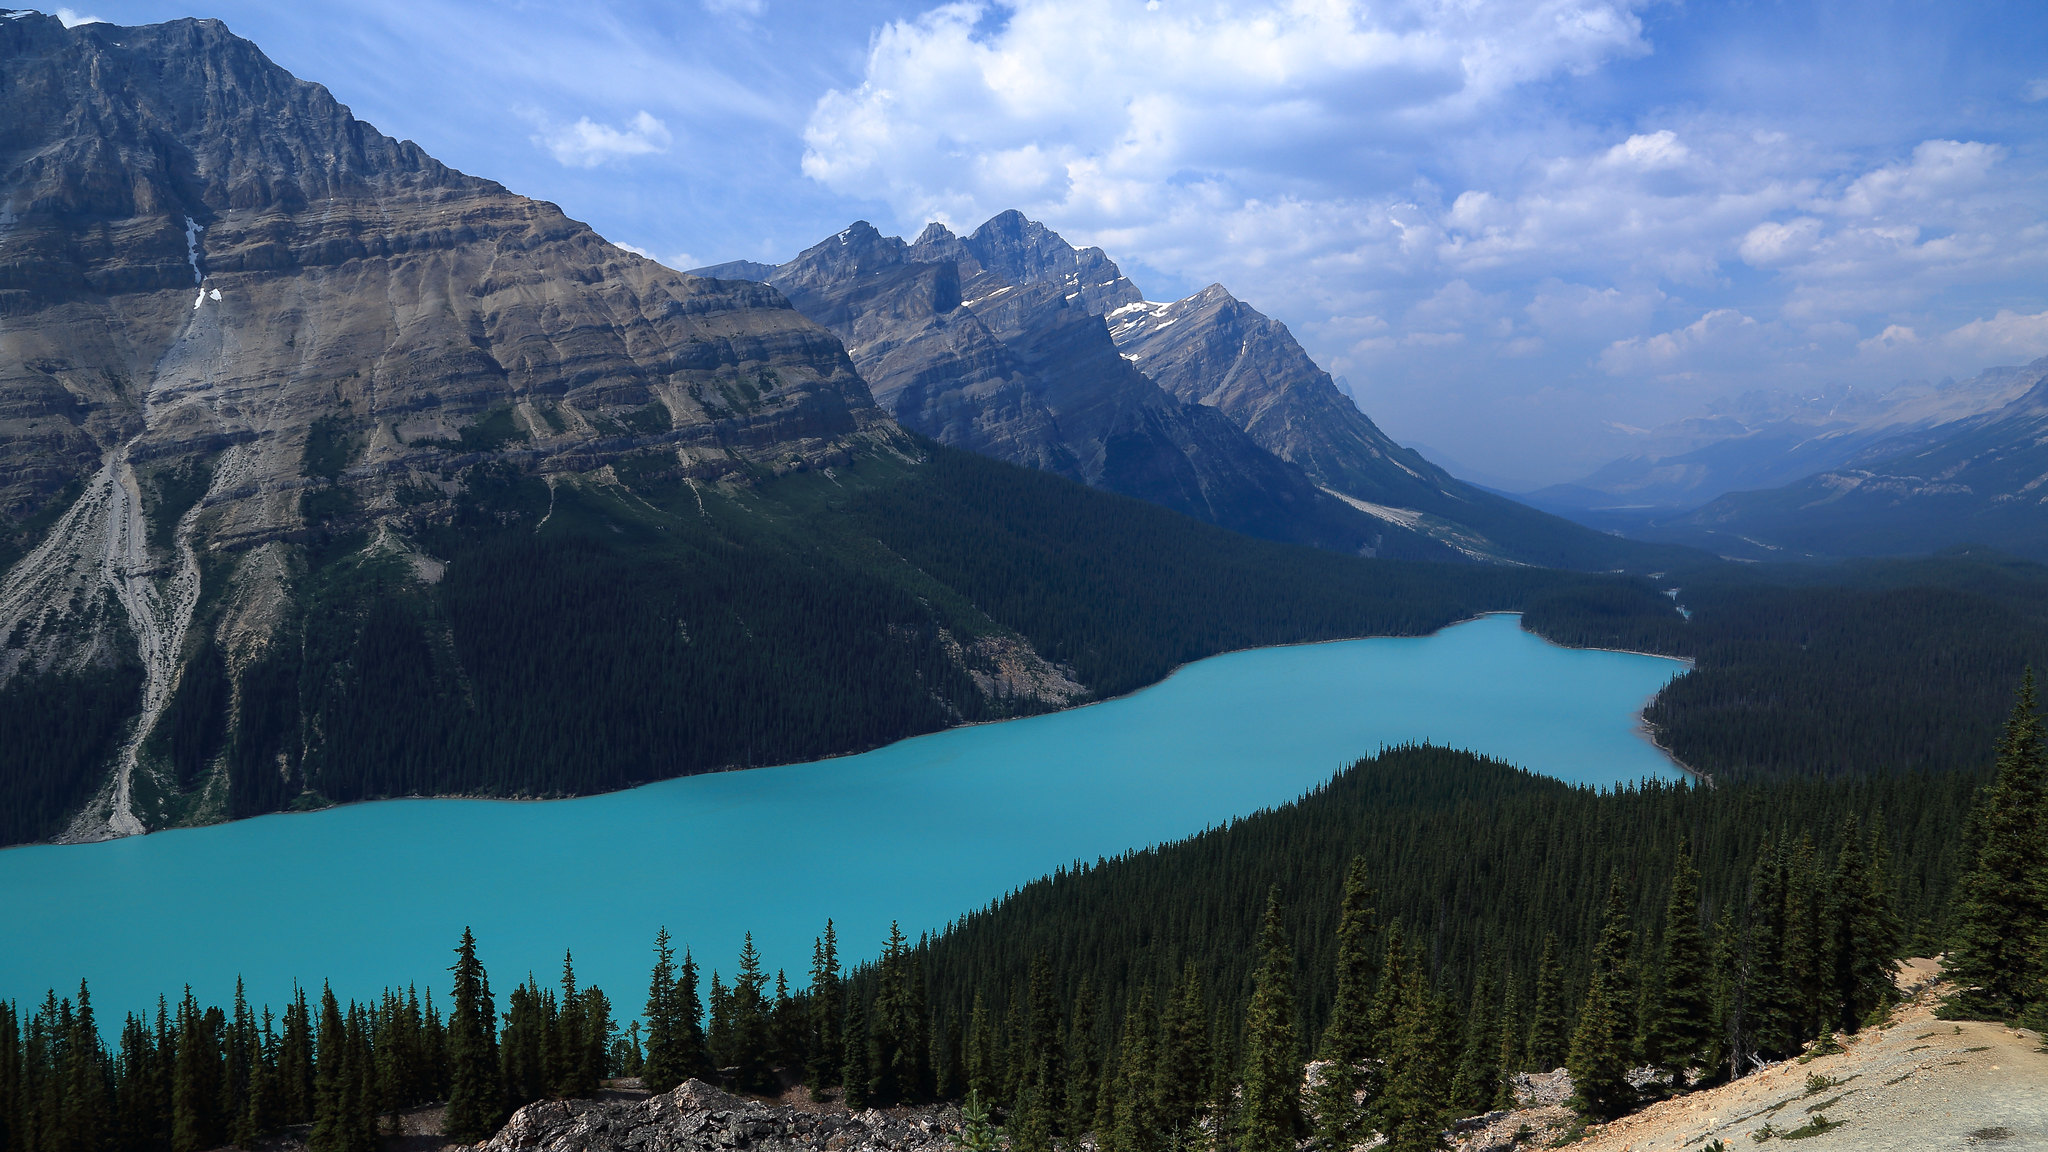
(920, 831)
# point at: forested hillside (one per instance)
(1830, 670)
(1430, 919)
(570, 636)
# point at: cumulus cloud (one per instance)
(587, 143)
(1115, 108)
(2008, 336)
(1401, 184)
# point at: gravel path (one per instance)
(1919, 1084)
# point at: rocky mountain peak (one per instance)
(1023, 251)
(240, 319)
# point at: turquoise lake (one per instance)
(920, 831)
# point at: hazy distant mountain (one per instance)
(1764, 440)
(1982, 480)
(1006, 341)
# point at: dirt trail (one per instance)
(1918, 1083)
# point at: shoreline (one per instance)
(1641, 728)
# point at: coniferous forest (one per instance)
(1423, 926)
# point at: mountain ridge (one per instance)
(1211, 352)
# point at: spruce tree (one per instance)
(826, 1047)
(1347, 1042)
(1081, 1060)
(696, 1055)
(1603, 1041)
(1994, 957)
(1548, 1038)
(1272, 1060)
(1411, 1110)
(475, 1097)
(663, 1066)
(747, 1046)
(1512, 1039)
(1137, 1126)
(1181, 1067)
(1862, 939)
(854, 1067)
(1681, 1032)
(981, 1044)
(1478, 1075)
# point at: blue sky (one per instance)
(1520, 229)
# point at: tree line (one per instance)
(1338, 966)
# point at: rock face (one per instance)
(994, 342)
(1982, 480)
(234, 319)
(699, 1118)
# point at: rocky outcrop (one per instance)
(953, 334)
(995, 342)
(699, 1118)
(233, 319)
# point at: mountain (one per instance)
(1766, 439)
(1013, 343)
(329, 473)
(1973, 481)
(992, 342)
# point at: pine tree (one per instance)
(333, 1081)
(1770, 1013)
(1478, 1076)
(746, 1049)
(1137, 1126)
(1082, 1060)
(854, 1066)
(86, 1099)
(1511, 1047)
(1862, 940)
(1181, 1067)
(1681, 1031)
(1994, 956)
(1042, 1042)
(1347, 1042)
(981, 1043)
(1411, 1110)
(295, 1062)
(1548, 1039)
(696, 1054)
(1805, 961)
(475, 1097)
(1272, 1061)
(664, 1066)
(826, 1046)
(1601, 1044)
(977, 1133)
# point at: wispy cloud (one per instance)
(72, 18)
(587, 143)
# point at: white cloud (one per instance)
(587, 144)
(1110, 108)
(2004, 338)
(635, 249)
(1715, 339)
(1404, 186)
(2036, 91)
(71, 18)
(735, 7)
